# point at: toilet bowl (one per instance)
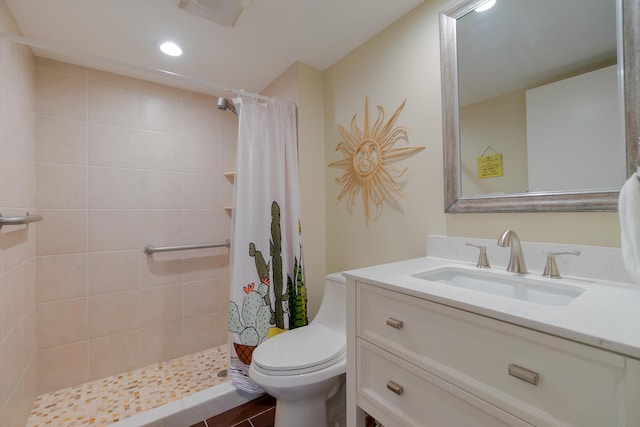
(304, 367)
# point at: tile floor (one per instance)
(108, 400)
(259, 412)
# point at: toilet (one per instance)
(305, 367)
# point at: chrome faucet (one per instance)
(516, 260)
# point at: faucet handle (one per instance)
(551, 268)
(483, 259)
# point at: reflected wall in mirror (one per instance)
(541, 83)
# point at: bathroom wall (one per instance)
(122, 163)
(17, 243)
(403, 62)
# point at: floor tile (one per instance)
(243, 412)
(265, 419)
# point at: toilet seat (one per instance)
(299, 351)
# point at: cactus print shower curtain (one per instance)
(267, 287)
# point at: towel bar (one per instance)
(150, 249)
(19, 220)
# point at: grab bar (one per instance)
(150, 249)
(19, 220)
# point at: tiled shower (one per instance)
(122, 163)
(112, 164)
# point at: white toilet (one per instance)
(304, 367)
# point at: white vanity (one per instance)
(437, 353)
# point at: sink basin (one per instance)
(539, 291)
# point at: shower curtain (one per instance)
(267, 293)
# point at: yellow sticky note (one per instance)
(490, 166)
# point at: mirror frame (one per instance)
(629, 17)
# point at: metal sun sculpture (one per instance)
(368, 154)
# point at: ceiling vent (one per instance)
(223, 12)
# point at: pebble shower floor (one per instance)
(108, 400)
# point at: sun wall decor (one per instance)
(368, 155)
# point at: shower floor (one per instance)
(108, 400)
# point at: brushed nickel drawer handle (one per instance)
(523, 374)
(395, 387)
(394, 323)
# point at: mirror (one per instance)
(516, 88)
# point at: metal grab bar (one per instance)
(19, 220)
(150, 249)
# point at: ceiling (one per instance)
(269, 37)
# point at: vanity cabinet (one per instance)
(420, 363)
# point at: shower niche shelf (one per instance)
(231, 175)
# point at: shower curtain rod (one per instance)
(163, 73)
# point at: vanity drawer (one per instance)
(577, 385)
(397, 393)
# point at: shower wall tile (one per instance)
(202, 332)
(132, 163)
(160, 151)
(207, 264)
(112, 272)
(62, 67)
(200, 191)
(17, 353)
(19, 176)
(161, 304)
(228, 138)
(200, 298)
(61, 140)
(58, 367)
(200, 155)
(112, 188)
(17, 243)
(201, 117)
(59, 94)
(113, 229)
(199, 226)
(112, 104)
(63, 232)
(112, 79)
(160, 190)
(161, 342)
(61, 277)
(159, 270)
(61, 322)
(160, 227)
(61, 186)
(113, 313)
(112, 146)
(114, 354)
(160, 108)
(13, 289)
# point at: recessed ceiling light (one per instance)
(485, 6)
(171, 49)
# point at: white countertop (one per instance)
(606, 315)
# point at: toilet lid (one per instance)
(300, 350)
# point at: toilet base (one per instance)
(307, 413)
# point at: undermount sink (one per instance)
(539, 291)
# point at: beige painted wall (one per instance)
(403, 62)
(304, 85)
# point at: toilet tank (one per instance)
(333, 308)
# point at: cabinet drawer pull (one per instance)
(523, 374)
(394, 323)
(395, 387)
